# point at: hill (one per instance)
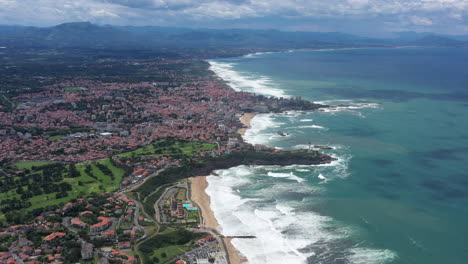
(85, 34)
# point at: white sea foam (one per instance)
(252, 55)
(290, 113)
(349, 106)
(305, 146)
(281, 231)
(312, 126)
(256, 134)
(284, 232)
(258, 201)
(370, 256)
(323, 178)
(285, 175)
(245, 82)
(301, 146)
(337, 49)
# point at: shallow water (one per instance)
(397, 194)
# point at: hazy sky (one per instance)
(354, 16)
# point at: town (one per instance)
(79, 120)
(89, 164)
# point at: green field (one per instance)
(192, 216)
(81, 186)
(170, 252)
(72, 89)
(84, 185)
(171, 242)
(170, 148)
(55, 138)
(22, 165)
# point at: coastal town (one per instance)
(233, 131)
(77, 119)
(94, 170)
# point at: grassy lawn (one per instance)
(8, 195)
(170, 148)
(181, 194)
(48, 200)
(72, 89)
(170, 252)
(169, 243)
(125, 225)
(22, 165)
(55, 138)
(82, 186)
(192, 216)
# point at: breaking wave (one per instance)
(276, 203)
(241, 81)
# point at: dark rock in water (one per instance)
(281, 133)
(322, 147)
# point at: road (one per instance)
(138, 184)
(159, 204)
(136, 216)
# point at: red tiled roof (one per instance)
(54, 236)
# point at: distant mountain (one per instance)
(431, 39)
(434, 40)
(85, 34)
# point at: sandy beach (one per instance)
(199, 196)
(245, 119)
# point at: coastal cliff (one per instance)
(205, 166)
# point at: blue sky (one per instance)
(365, 17)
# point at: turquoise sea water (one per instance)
(398, 193)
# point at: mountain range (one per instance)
(85, 34)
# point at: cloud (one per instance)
(358, 3)
(420, 21)
(103, 13)
(221, 10)
(341, 14)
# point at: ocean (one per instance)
(398, 191)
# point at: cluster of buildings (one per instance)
(98, 119)
(175, 207)
(111, 218)
(208, 252)
(79, 119)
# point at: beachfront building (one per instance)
(177, 209)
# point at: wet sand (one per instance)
(245, 119)
(199, 196)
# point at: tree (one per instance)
(73, 172)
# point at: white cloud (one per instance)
(102, 13)
(168, 12)
(420, 21)
(220, 10)
(358, 3)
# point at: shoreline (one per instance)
(199, 196)
(245, 119)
